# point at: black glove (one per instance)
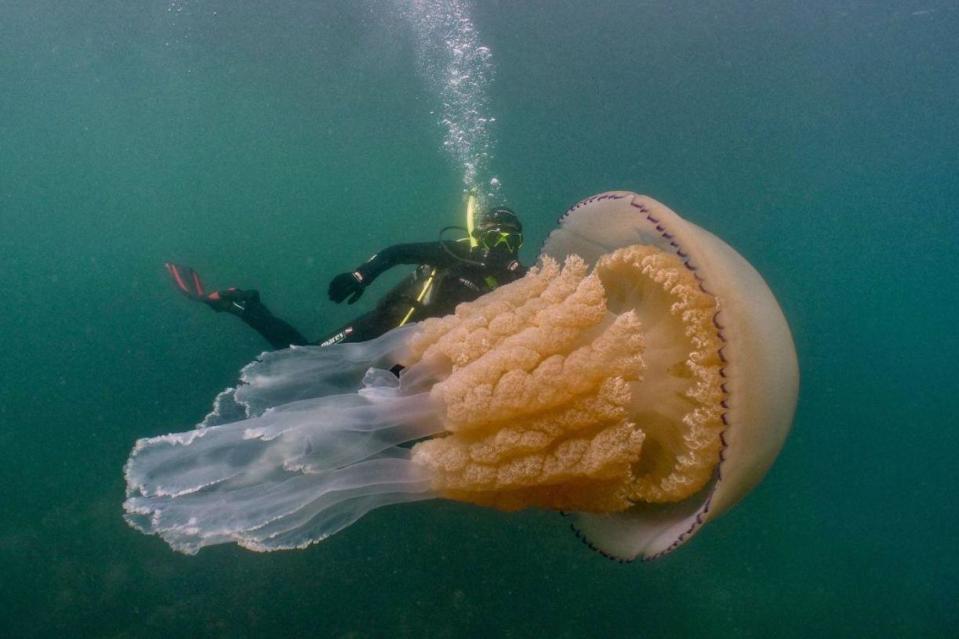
(346, 285)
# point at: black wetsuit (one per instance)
(454, 272)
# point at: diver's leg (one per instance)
(247, 306)
(364, 328)
(348, 332)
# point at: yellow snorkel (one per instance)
(471, 218)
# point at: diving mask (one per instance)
(490, 238)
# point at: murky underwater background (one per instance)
(272, 145)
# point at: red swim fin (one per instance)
(186, 280)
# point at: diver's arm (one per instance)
(432, 253)
(438, 254)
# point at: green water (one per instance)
(272, 145)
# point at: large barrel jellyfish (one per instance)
(641, 379)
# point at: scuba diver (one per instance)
(448, 272)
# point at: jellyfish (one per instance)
(641, 379)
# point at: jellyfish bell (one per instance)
(642, 379)
(760, 374)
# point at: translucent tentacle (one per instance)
(304, 466)
(305, 372)
(284, 511)
(312, 436)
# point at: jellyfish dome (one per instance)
(640, 379)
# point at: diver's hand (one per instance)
(346, 285)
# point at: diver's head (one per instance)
(499, 232)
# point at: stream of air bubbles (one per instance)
(458, 71)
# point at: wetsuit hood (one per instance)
(502, 218)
